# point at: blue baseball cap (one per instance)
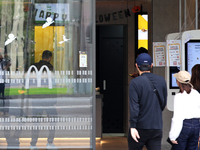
(144, 62)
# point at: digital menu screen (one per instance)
(172, 71)
(192, 54)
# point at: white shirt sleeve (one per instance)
(177, 120)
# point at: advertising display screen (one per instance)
(173, 70)
(192, 54)
(143, 31)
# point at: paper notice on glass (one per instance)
(173, 52)
(82, 59)
(159, 53)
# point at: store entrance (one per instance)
(110, 75)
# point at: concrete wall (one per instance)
(165, 20)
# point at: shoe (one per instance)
(33, 148)
(13, 142)
(51, 146)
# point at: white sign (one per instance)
(83, 60)
(59, 12)
(173, 53)
(38, 75)
(159, 53)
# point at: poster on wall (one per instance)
(82, 59)
(173, 52)
(58, 12)
(159, 54)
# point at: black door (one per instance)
(110, 79)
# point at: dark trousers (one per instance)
(4, 104)
(188, 138)
(2, 89)
(149, 137)
(35, 133)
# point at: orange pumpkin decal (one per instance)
(26, 8)
(136, 9)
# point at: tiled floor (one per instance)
(113, 142)
(108, 142)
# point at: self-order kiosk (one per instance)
(189, 56)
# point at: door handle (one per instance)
(104, 84)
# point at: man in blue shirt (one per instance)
(146, 106)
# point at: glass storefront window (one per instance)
(47, 74)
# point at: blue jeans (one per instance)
(197, 145)
(189, 135)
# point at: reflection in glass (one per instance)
(46, 100)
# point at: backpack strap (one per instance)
(155, 91)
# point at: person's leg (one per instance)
(154, 140)
(11, 140)
(133, 145)
(35, 133)
(183, 136)
(51, 113)
(6, 102)
(51, 136)
(2, 86)
(3, 90)
(192, 143)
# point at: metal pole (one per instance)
(179, 15)
(94, 76)
(185, 17)
(196, 14)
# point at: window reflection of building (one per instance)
(17, 30)
(20, 55)
(65, 61)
